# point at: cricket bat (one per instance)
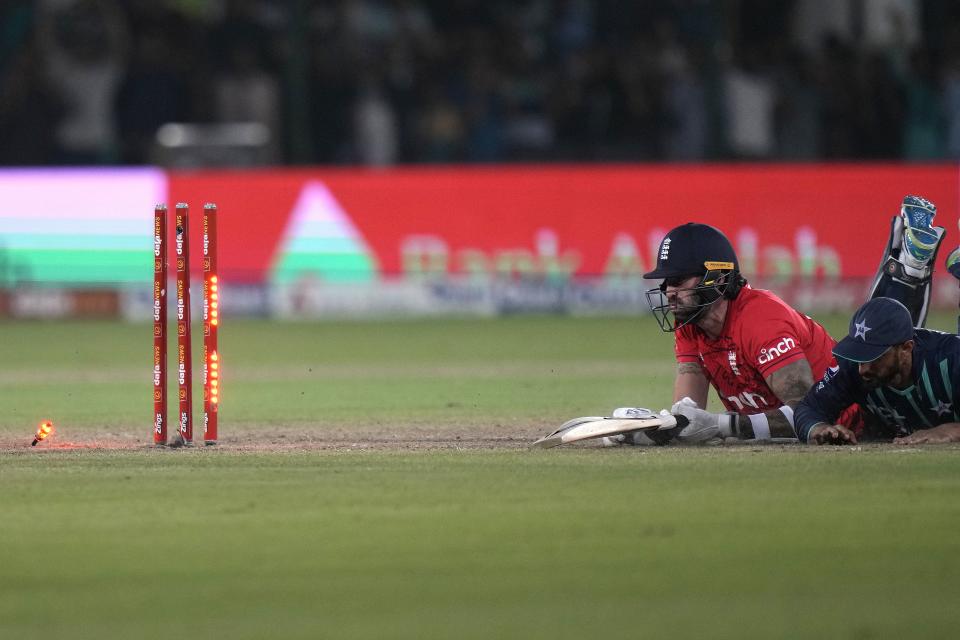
(599, 426)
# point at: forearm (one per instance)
(792, 384)
(944, 433)
(950, 430)
(704, 425)
(691, 383)
(770, 424)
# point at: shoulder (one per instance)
(843, 375)
(761, 315)
(686, 331)
(930, 341)
(687, 335)
(760, 302)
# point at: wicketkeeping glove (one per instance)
(703, 424)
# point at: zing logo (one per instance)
(770, 354)
(157, 296)
(180, 300)
(181, 230)
(157, 242)
(158, 423)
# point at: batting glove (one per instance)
(640, 438)
(703, 424)
(632, 412)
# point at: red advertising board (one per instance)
(785, 220)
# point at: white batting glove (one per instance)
(632, 412)
(640, 438)
(703, 424)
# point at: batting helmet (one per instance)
(688, 249)
(694, 249)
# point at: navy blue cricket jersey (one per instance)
(931, 400)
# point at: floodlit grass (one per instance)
(562, 544)
(739, 542)
(95, 374)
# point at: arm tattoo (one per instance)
(688, 367)
(790, 384)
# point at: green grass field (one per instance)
(102, 536)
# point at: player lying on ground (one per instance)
(761, 355)
(907, 380)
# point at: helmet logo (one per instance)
(665, 249)
(713, 265)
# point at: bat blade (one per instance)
(598, 427)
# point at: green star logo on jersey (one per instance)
(889, 414)
(941, 407)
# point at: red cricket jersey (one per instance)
(761, 334)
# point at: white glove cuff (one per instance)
(727, 424)
(761, 427)
(787, 413)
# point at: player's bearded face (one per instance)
(887, 370)
(681, 296)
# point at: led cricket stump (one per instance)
(210, 368)
(44, 431)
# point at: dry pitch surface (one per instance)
(403, 438)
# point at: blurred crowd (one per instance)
(383, 82)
